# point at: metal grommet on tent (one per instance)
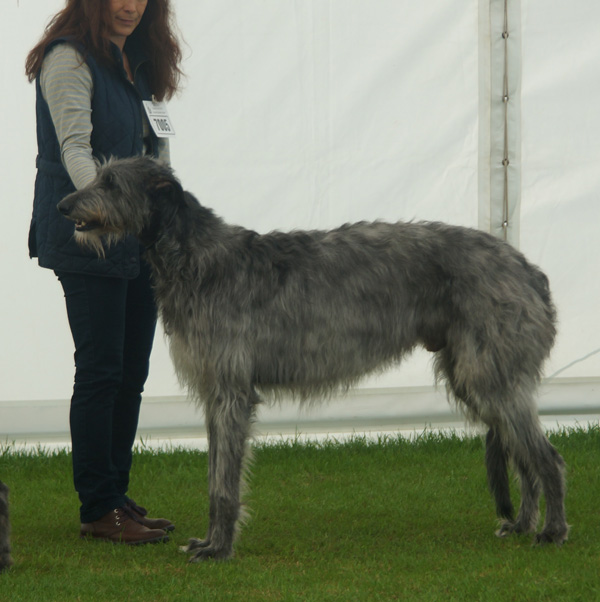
(505, 99)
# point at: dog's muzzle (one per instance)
(65, 207)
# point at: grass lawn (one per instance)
(392, 520)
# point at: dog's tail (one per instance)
(541, 285)
(496, 460)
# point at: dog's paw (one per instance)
(195, 544)
(506, 529)
(558, 536)
(202, 549)
(509, 527)
(211, 553)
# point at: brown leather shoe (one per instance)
(139, 513)
(121, 526)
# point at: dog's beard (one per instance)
(98, 240)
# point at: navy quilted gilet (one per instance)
(117, 132)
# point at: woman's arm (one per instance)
(164, 150)
(67, 87)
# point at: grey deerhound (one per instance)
(308, 312)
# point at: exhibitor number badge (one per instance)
(159, 118)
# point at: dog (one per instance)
(254, 315)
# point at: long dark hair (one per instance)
(86, 21)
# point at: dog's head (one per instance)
(137, 195)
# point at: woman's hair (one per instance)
(86, 22)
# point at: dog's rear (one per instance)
(503, 329)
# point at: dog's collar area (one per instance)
(158, 226)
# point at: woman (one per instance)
(95, 64)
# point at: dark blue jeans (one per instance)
(112, 321)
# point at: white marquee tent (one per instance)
(311, 113)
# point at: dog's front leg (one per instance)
(228, 421)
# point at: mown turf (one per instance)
(390, 520)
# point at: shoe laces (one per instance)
(123, 514)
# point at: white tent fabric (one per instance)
(311, 113)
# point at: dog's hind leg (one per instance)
(496, 460)
(496, 453)
(541, 468)
(508, 408)
(527, 517)
(550, 466)
(228, 419)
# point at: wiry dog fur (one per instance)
(5, 559)
(309, 312)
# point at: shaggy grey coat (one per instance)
(307, 312)
(5, 559)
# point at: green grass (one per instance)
(393, 520)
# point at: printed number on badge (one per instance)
(159, 118)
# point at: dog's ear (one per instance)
(165, 186)
(166, 197)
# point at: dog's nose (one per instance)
(64, 207)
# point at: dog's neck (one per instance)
(188, 231)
